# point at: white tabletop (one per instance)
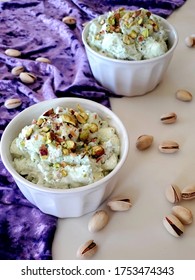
(139, 233)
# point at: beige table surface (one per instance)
(139, 234)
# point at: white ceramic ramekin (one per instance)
(64, 202)
(130, 78)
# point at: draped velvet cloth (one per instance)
(35, 28)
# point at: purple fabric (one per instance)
(35, 28)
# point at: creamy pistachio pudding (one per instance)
(128, 34)
(66, 148)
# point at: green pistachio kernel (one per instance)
(84, 135)
(145, 33)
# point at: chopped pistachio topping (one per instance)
(128, 34)
(66, 147)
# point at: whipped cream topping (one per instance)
(129, 35)
(66, 148)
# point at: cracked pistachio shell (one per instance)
(87, 250)
(173, 225)
(119, 204)
(27, 78)
(168, 118)
(98, 221)
(144, 142)
(17, 70)
(188, 192)
(169, 147)
(173, 193)
(12, 103)
(183, 214)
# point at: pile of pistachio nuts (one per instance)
(24, 76)
(180, 215)
(145, 141)
(99, 220)
(20, 71)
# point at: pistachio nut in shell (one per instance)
(169, 147)
(27, 78)
(189, 41)
(87, 250)
(17, 70)
(183, 95)
(69, 20)
(188, 192)
(43, 59)
(173, 225)
(13, 52)
(98, 221)
(12, 103)
(119, 204)
(168, 118)
(173, 193)
(144, 142)
(183, 214)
